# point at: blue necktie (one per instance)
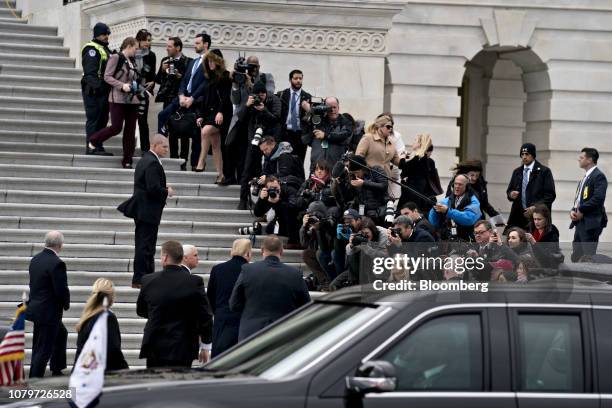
(295, 124)
(524, 187)
(196, 65)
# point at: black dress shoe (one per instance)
(184, 166)
(242, 205)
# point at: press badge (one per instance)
(324, 144)
(453, 231)
(361, 209)
(585, 193)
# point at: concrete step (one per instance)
(33, 49)
(120, 225)
(98, 168)
(122, 238)
(216, 254)
(131, 356)
(5, 12)
(29, 39)
(121, 309)
(7, 56)
(56, 197)
(110, 212)
(103, 264)
(14, 124)
(23, 116)
(109, 187)
(73, 139)
(55, 148)
(21, 26)
(40, 103)
(129, 341)
(42, 92)
(36, 81)
(12, 69)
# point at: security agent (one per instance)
(94, 56)
(295, 105)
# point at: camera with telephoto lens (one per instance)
(318, 109)
(389, 213)
(241, 69)
(254, 187)
(273, 192)
(359, 239)
(138, 91)
(254, 229)
(395, 232)
(257, 137)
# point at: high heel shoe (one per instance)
(199, 170)
(220, 180)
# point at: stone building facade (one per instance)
(481, 76)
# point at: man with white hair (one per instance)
(146, 206)
(49, 297)
(190, 258)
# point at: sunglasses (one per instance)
(390, 127)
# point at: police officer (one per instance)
(94, 56)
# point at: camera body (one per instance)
(254, 187)
(359, 239)
(318, 109)
(241, 69)
(273, 192)
(256, 100)
(137, 91)
(255, 229)
(395, 232)
(171, 69)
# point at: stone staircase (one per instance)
(46, 182)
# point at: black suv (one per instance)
(544, 344)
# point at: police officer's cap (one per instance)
(100, 29)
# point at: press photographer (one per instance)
(145, 61)
(327, 132)
(262, 114)
(454, 216)
(362, 187)
(351, 222)
(316, 236)
(364, 245)
(245, 75)
(316, 188)
(404, 238)
(275, 196)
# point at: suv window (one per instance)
(445, 353)
(551, 353)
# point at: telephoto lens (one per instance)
(257, 137)
(254, 229)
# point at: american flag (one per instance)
(12, 350)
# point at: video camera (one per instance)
(318, 109)
(242, 68)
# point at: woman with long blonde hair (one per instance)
(419, 172)
(102, 288)
(376, 145)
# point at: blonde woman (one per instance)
(419, 172)
(102, 288)
(377, 146)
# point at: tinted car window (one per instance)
(551, 353)
(443, 354)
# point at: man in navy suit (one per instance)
(531, 183)
(146, 206)
(49, 297)
(267, 290)
(220, 285)
(193, 85)
(588, 214)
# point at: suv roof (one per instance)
(548, 290)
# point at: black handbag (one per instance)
(182, 123)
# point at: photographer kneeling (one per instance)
(369, 242)
(366, 187)
(405, 238)
(274, 196)
(263, 117)
(316, 236)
